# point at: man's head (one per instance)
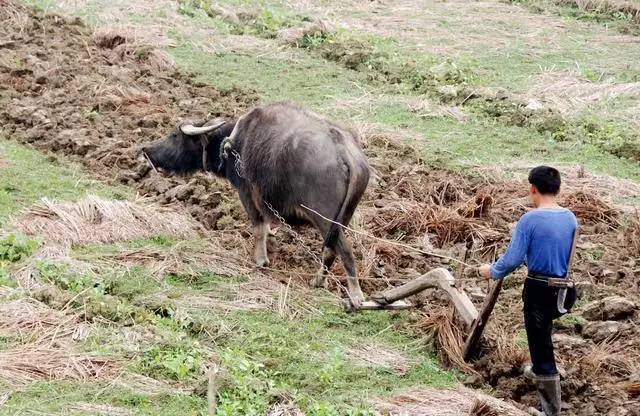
(545, 184)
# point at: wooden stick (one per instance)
(475, 333)
(212, 389)
(372, 305)
(437, 278)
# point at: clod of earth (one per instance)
(611, 308)
(563, 341)
(600, 331)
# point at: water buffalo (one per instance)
(289, 158)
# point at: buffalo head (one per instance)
(190, 147)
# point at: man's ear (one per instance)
(533, 190)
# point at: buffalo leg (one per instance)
(328, 258)
(260, 233)
(348, 261)
(260, 228)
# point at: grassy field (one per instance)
(309, 353)
(461, 85)
(471, 84)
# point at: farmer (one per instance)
(544, 239)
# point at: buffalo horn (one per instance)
(191, 130)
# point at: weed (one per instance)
(265, 24)
(16, 246)
(610, 136)
(202, 280)
(61, 275)
(249, 387)
(111, 308)
(136, 281)
(157, 240)
(191, 7)
(174, 362)
(315, 39)
(92, 115)
(625, 17)
(5, 277)
(378, 58)
(572, 320)
(521, 339)
(596, 254)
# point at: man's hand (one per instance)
(485, 271)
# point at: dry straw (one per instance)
(381, 356)
(482, 408)
(53, 360)
(97, 220)
(448, 338)
(442, 402)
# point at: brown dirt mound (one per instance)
(96, 105)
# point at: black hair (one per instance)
(546, 180)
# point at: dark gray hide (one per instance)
(290, 157)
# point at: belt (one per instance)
(551, 281)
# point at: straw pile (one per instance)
(590, 209)
(448, 338)
(482, 408)
(28, 316)
(109, 37)
(633, 388)
(443, 402)
(446, 223)
(43, 360)
(381, 356)
(97, 220)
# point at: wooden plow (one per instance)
(474, 320)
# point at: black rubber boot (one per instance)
(549, 393)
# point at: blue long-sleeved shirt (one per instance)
(543, 239)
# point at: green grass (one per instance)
(27, 176)
(304, 79)
(387, 72)
(603, 12)
(264, 358)
(263, 355)
(57, 397)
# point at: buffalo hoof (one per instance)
(319, 282)
(263, 262)
(356, 299)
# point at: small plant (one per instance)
(190, 7)
(173, 362)
(92, 115)
(5, 279)
(16, 246)
(331, 367)
(250, 384)
(61, 275)
(596, 254)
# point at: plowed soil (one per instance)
(61, 92)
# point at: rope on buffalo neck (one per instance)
(395, 243)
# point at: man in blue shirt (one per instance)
(544, 240)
